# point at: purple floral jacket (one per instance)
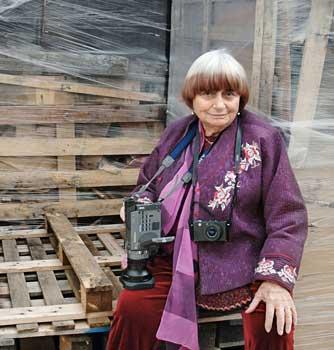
(269, 223)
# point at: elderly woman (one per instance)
(242, 185)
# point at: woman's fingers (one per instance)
(288, 319)
(122, 213)
(294, 314)
(253, 305)
(270, 312)
(280, 320)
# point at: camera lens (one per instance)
(212, 233)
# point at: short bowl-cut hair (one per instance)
(215, 71)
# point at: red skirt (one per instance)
(138, 313)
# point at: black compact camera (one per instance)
(209, 231)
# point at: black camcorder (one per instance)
(143, 237)
(209, 231)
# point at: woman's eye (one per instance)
(207, 94)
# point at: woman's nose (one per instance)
(219, 101)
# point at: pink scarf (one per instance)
(179, 320)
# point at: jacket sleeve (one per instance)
(284, 214)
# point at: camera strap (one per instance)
(237, 160)
(171, 157)
(191, 174)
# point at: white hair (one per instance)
(215, 62)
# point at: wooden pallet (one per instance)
(41, 294)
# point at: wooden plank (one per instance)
(268, 56)
(283, 67)
(264, 55)
(257, 54)
(34, 288)
(96, 289)
(14, 233)
(66, 163)
(315, 49)
(72, 342)
(38, 344)
(208, 319)
(46, 329)
(111, 244)
(12, 146)
(83, 208)
(18, 290)
(48, 282)
(90, 245)
(317, 187)
(320, 216)
(46, 313)
(7, 344)
(32, 266)
(51, 264)
(11, 115)
(205, 26)
(78, 88)
(115, 281)
(314, 336)
(41, 62)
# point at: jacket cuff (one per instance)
(278, 270)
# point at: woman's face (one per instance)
(216, 110)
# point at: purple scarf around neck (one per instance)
(179, 320)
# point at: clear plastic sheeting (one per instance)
(287, 49)
(82, 103)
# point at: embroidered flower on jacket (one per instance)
(287, 273)
(223, 194)
(221, 197)
(265, 267)
(252, 154)
(230, 178)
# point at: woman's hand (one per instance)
(278, 301)
(122, 213)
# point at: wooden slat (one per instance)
(14, 233)
(320, 216)
(314, 56)
(70, 342)
(51, 264)
(46, 329)
(96, 289)
(111, 244)
(66, 163)
(46, 313)
(82, 208)
(78, 88)
(257, 54)
(34, 288)
(12, 115)
(18, 289)
(12, 146)
(67, 179)
(39, 62)
(32, 266)
(48, 282)
(264, 55)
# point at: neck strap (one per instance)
(237, 159)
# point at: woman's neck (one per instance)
(210, 132)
